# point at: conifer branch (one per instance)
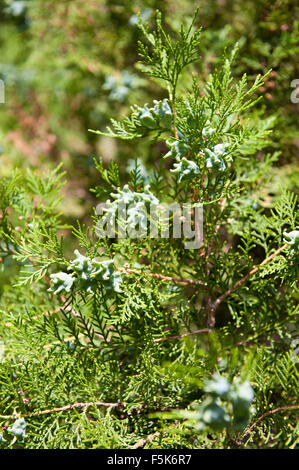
(281, 409)
(164, 278)
(64, 408)
(184, 335)
(215, 305)
(174, 115)
(149, 438)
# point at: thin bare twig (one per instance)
(190, 333)
(281, 409)
(163, 278)
(240, 283)
(149, 438)
(64, 408)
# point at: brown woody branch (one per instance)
(149, 438)
(215, 305)
(190, 333)
(64, 408)
(281, 409)
(163, 278)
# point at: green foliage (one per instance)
(138, 339)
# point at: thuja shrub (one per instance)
(140, 339)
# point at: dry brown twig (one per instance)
(281, 409)
(149, 438)
(162, 277)
(214, 305)
(183, 335)
(64, 408)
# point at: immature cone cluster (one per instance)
(185, 169)
(120, 88)
(136, 205)
(217, 157)
(61, 282)
(208, 130)
(159, 115)
(87, 274)
(292, 238)
(18, 428)
(224, 402)
(178, 149)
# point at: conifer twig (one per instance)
(281, 409)
(190, 333)
(172, 102)
(64, 408)
(149, 438)
(215, 305)
(162, 277)
(135, 271)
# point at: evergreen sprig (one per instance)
(133, 342)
